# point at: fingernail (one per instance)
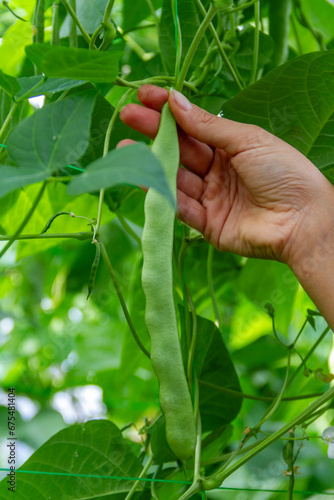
(181, 100)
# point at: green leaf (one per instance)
(53, 136)
(135, 12)
(135, 165)
(96, 448)
(271, 282)
(13, 178)
(296, 103)
(213, 366)
(9, 83)
(160, 448)
(29, 83)
(69, 62)
(189, 21)
(90, 14)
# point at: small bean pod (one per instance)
(93, 271)
(160, 315)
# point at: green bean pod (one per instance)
(160, 315)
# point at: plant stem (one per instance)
(105, 152)
(220, 48)
(256, 42)
(78, 236)
(257, 398)
(142, 474)
(210, 283)
(76, 20)
(121, 298)
(297, 37)
(8, 118)
(25, 220)
(299, 333)
(73, 27)
(156, 80)
(240, 7)
(309, 354)
(55, 24)
(217, 479)
(39, 21)
(194, 45)
(107, 12)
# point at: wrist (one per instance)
(311, 248)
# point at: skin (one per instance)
(247, 191)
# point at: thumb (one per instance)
(231, 136)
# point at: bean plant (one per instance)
(214, 368)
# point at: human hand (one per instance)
(244, 189)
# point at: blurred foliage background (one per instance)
(71, 360)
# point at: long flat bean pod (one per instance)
(160, 315)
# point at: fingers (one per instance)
(153, 97)
(191, 212)
(231, 136)
(194, 155)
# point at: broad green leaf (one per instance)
(271, 282)
(296, 103)
(55, 135)
(37, 85)
(189, 21)
(69, 62)
(96, 448)
(135, 12)
(135, 165)
(13, 178)
(9, 83)
(213, 366)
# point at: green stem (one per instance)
(194, 45)
(194, 488)
(78, 236)
(55, 24)
(277, 401)
(178, 39)
(299, 333)
(302, 19)
(297, 37)
(279, 27)
(257, 398)
(73, 39)
(121, 298)
(105, 152)
(192, 350)
(94, 37)
(240, 7)
(220, 48)
(25, 220)
(127, 228)
(107, 12)
(8, 118)
(210, 283)
(39, 21)
(142, 474)
(256, 42)
(76, 20)
(217, 479)
(309, 354)
(155, 80)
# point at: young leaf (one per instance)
(134, 164)
(53, 136)
(69, 62)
